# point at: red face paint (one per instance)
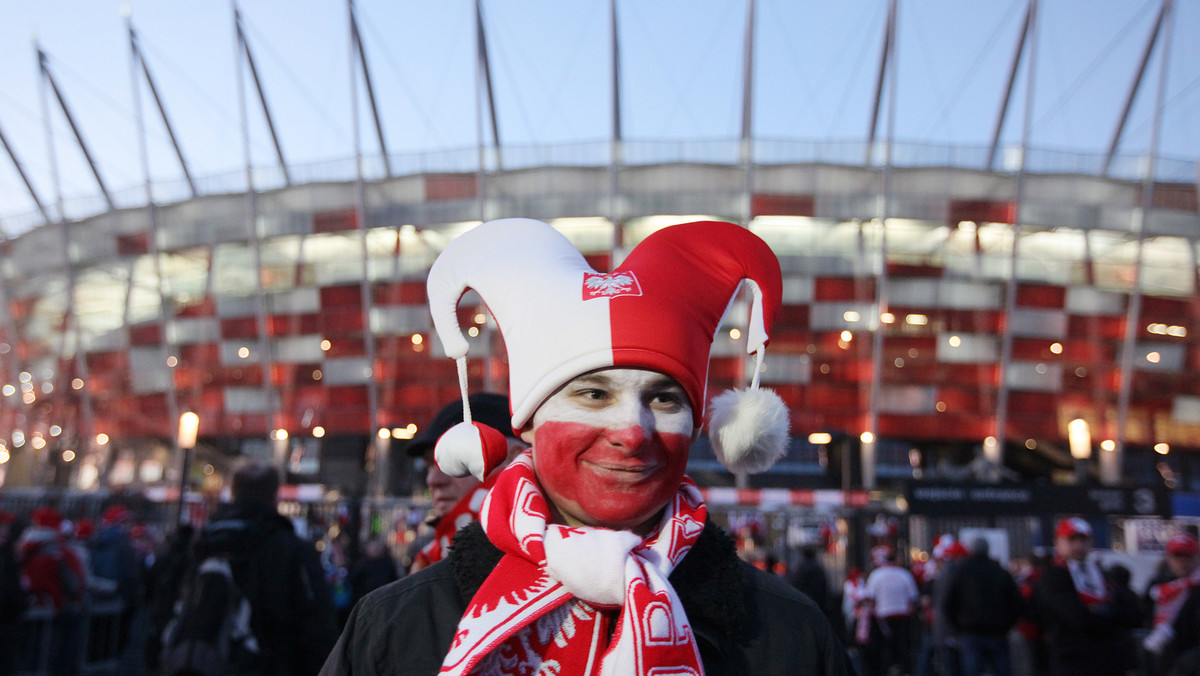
(595, 478)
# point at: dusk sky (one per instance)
(681, 72)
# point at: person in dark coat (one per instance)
(593, 552)
(810, 578)
(375, 569)
(982, 604)
(1083, 619)
(14, 600)
(292, 614)
(164, 579)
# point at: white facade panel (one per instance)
(970, 348)
(347, 371)
(1038, 323)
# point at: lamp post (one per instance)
(189, 425)
(1079, 435)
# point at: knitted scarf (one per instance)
(577, 600)
(1169, 596)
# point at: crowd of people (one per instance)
(564, 536)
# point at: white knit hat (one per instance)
(659, 310)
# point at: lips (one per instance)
(622, 472)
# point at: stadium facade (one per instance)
(974, 299)
(996, 313)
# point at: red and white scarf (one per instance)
(543, 608)
(1089, 581)
(1168, 597)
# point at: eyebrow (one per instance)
(599, 378)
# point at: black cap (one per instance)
(488, 408)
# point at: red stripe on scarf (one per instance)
(523, 619)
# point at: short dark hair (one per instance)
(255, 483)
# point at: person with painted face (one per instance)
(593, 553)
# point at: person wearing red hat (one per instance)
(1169, 637)
(457, 499)
(115, 563)
(594, 554)
(1086, 622)
(56, 578)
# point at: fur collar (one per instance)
(710, 581)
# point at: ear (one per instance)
(527, 434)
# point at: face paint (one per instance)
(611, 446)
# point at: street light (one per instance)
(189, 426)
(1079, 435)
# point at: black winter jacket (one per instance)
(291, 604)
(745, 621)
(1083, 640)
(982, 598)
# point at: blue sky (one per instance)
(815, 67)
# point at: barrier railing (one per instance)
(84, 641)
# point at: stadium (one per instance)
(993, 312)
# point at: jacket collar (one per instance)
(709, 581)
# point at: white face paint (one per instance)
(611, 446)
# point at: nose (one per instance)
(629, 437)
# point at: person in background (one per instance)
(810, 578)
(375, 569)
(1083, 619)
(939, 646)
(56, 579)
(291, 605)
(894, 592)
(113, 558)
(164, 578)
(457, 500)
(1182, 559)
(594, 552)
(982, 604)
(13, 597)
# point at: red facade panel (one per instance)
(342, 296)
(294, 325)
(400, 293)
(981, 211)
(239, 327)
(115, 361)
(1046, 296)
(133, 244)
(1093, 326)
(141, 335)
(441, 187)
(830, 289)
(342, 321)
(777, 204)
(340, 220)
(205, 307)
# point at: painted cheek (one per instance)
(597, 497)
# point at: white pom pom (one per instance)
(459, 451)
(748, 429)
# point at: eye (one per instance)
(668, 399)
(590, 396)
